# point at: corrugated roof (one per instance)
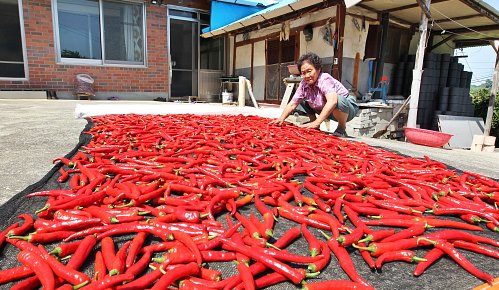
(273, 11)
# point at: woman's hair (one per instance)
(311, 58)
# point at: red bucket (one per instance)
(427, 137)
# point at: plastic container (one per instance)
(227, 97)
(427, 137)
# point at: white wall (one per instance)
(243, 59)
(354, 39)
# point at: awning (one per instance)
(282, 8)
(220, 17)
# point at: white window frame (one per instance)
(23, 43)
(99, 62)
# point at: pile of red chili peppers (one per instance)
(176, 187)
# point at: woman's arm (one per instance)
(286, 112)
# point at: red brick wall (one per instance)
(45, 74)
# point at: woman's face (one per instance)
(309, 73)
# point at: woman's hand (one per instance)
(277, 121)
(311, 125)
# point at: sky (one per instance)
(480, 60)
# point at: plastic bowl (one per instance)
(427, 137)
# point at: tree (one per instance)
(488, 84)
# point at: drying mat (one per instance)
(444, 274)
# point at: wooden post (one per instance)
(241, 97)
(418, 69)
(338, 54)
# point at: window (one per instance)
(211, 53)
(12, 62)
(281, 51)
(101, 32)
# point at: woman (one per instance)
(319, 93)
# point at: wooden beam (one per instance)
(475, 28)
(409, 6)
(405, 22)
(482, 10)
(458, 18)
(442, 42)
(425, 9)
(289, 16)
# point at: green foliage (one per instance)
(480, 98)
(71, 54)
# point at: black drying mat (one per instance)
(444, 274)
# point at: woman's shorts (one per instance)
(346, 104)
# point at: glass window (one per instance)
(81, 31)
(123, 32)
(182, 13)
(211, 53)
(11, 47)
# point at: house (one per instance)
(127, 47)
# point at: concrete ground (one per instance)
(35, 131)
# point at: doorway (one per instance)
(184, 50)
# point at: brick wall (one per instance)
(45, 74)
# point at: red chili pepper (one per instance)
(476, 248)
(415, 230)
(378, 249)
(46, 226)
(67, 273)
(461, 211)
(461, 235)
(118, 264)
(245, 273)
(16, 273)
(268, 217)
(108, 282)
(449, 249)
(134, 248)
(108, 252)
(24, 228)
(288, 214)
(248, 225)
(430, 257)
(31, 283)
(313, 242)
(336, 285)
(367, 256)
(100, 269)
(345, 260)
(44, 238)
(140, 265)
(377, 236)
(175, 274)
(400, 255)
(63, 250)
(4, 233)
(270, 262)
(35, 262)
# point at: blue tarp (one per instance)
(223, 13)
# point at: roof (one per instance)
(466, 22)
(281, 8)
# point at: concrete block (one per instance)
(483, 143)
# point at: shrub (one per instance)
(480, 99)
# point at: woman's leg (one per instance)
(341, 118)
